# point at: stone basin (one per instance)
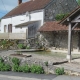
(29, 50)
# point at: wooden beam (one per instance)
(69, 42)
(75, 21)
(74, 26)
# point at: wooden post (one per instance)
(69, 42)
(78, 41)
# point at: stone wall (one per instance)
(50, 68)
(59, 40)
(58, 7)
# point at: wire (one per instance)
(4, 5)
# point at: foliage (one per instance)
(59, 71)
(46, 63)
(16, 41)
(1, 60)
(6, 44)
(15, 68)
(1, 66)
(7, 67)
(28, 47)
(60, 16)
(20, 69)
(37, 69)
(20, 46)
(4, 67)
(26, 68)
(15, 61)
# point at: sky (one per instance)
(7, 5)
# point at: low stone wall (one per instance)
(30, 61)
(59, 40)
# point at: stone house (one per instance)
(24, 20)
(58, 34)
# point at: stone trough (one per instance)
(28, 50)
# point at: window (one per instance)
(32, 31)
(10, 28)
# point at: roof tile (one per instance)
(54, 26)
(28, 6)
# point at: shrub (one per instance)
(4, 67)
(1, 60)
(1, 66)
(28, 47)
(16, 61)
(7, 67)
(37, 69)
(20, 69)
(59, 71)
(15, 68)
(26, 68)
(60, 16)
(46, 63)
(4, 42)
(20, 46)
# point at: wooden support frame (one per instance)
(74, 26)
(69, 42)
(70, 29)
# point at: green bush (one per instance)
(27, 47)
(46, 63)
(20, 69)
(4, 42)
(60, 16)
(37, 69)
(1, 66)
(15, 68)
(7, 67)
(15, 61)
(20, 46)
(59, 71)
(26, 68)
(1, 60)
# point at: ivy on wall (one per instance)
(60, 16)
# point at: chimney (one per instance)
(19, 2)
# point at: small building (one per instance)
(60, 35)
(24, 20)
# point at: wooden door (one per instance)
(10, 28)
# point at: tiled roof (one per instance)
(54, 26)
(28, 6)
